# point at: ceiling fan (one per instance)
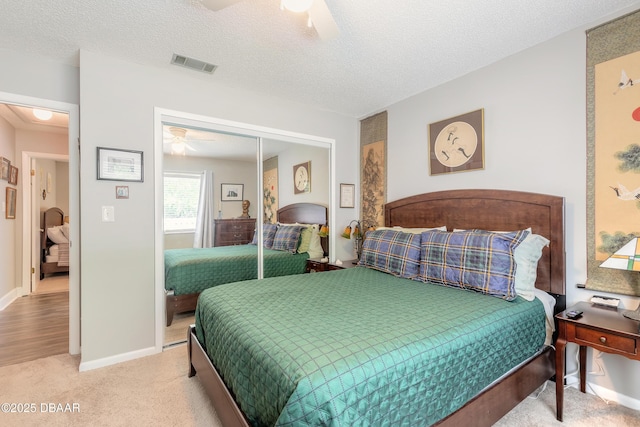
(177, 138)
(319, 14)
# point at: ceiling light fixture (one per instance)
(297, 6)
(42, 114)
(177, 143)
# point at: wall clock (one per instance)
(302, 178)
(457, 144)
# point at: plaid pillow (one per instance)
(480, 261)
(393, 252)
(287, 238)
(268, 233)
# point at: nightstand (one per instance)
(601, 328)
(314, 265)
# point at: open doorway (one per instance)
(34, 140)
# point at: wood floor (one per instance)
(34, 326)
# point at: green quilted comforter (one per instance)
(188, 271)
(360, 347)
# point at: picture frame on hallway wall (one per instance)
(13, 175)
(457, 144)
(5, 165)
(10, 210)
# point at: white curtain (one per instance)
(203, 237)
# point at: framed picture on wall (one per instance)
(5, 165)
(119, 165)
(457, 144)
(347, 195)
(10, 210)
(232, 192)
(13, 175)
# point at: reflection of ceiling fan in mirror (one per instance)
(178, 139)
(319, 14)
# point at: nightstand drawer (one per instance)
(607, 340)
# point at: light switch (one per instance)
(108, 214)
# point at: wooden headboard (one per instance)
(305, 213)
(498, 210)
(50, 218)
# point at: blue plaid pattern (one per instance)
(287, 238)
(268, 234)
(393, 252)
(475, 260)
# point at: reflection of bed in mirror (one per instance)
(190, 271)
(362, 346)
(54, 243)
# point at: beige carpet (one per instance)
(155, 391)
(580, 410)
(151, 391)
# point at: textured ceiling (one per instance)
(386, 50)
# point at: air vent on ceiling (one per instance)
(194, 64)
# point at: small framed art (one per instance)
(232, 192)
(5, 165)
(122, 192)
(347, 195)
(457, 144)
(13, 175)
(120, 165)
(302, 178)
(10, 210)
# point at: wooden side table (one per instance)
(315, 265)
(601, 328)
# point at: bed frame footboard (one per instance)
(223, 402)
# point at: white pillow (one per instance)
(65, 229)
(549, 303)
(56, 235)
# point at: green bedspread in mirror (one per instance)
(360, 347)
(188, 271)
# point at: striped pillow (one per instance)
(393, 252)
(268, 234)
(287, 238)
(479, 261)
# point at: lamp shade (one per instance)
(625, 258)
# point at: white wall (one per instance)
(37, 77)
(320, 176)
(535, 140)
(118, 258)
(8, 227)
(224, 171)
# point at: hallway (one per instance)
(34, 326)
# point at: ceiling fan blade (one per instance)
(218, 4)
(189, 147)
(322, 20)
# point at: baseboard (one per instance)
(613, 396)
(6, 300)
(605, 393)
(118, 358)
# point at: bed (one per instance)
(386, 366)
(54, 243)
(190, 271)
